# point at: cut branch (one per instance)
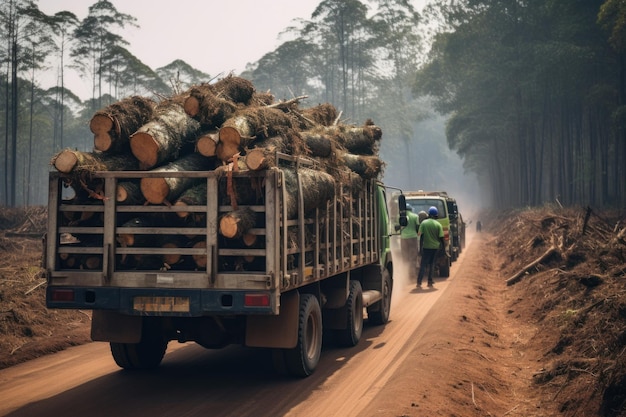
(518, 276)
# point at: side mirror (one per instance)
(402, 209)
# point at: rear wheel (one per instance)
(303, 359)
(146, 354)
(378, 313)
(353, 309)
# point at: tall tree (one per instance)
(95, 41)
(64, 23)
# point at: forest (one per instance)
(513, 103)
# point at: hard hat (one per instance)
(422, 215)
(433, 212)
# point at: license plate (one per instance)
(161, 304)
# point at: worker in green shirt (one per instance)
(409, 244)
(430, 234)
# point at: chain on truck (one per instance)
(318, 273)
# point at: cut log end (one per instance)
(207, 145)
(145, 149)
(171, 258)
(256, 160)
(155, 190)
(200, 260)
(102, 141)
(225, 151)
(126, 240)
(229, 134)
(66, 161)
(181, 214)
(249, 239)
(101, 123)
(192, 106)
(228, 227)
(121, 195)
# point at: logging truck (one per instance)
(279, 269)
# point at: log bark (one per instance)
(235, 224)
(318, 188)
(263, 155)
(194, 196)
(322, 114)
(359, 140)
(235, 89)
(319, 144)
(71, 161)
(165, 190)
(113, 125)
(519, 275)
(251, 124)
(166, 137)
(367, 166)
(129, 193)
(207, 108)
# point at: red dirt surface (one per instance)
(551, 344)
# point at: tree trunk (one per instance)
(235, 224)
(77, 162)
(129, 193)
(319, 144)
(252, 124)
(358, 140)
(164, 190)
(166, 137)
(367, 166)
(194, 196)
(208, 108)
(206, 144)
(113, 125)
(318, 188)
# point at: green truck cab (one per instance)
(422, 201)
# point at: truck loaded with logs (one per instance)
(220, 216)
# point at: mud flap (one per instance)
(109, 326)
(279, 331)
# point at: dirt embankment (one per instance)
(552, 343)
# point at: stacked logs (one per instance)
(225, 126)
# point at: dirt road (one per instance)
(385, 375)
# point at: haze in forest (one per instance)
(500, 106)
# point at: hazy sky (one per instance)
(212, 36)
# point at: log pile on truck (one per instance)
(225, 127)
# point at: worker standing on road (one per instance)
(430, 234)
(409, 244)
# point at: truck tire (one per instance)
(303, 359)
(146, 354)
(378, 313)
(444, 268)
(353, 309)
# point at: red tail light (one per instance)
(256, 300)
(62, 295)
